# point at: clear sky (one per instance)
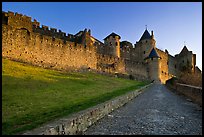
(172, 22)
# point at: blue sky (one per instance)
(172, 22)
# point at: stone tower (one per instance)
(146, 43)
(154, 65)
(113, 42)
(86, 40)
(186, 60)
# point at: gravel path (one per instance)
(157, 111)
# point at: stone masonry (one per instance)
(24, 40)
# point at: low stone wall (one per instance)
(192, 92)
(77, 123)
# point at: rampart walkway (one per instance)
(156, 111)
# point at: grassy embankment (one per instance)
(32, 95)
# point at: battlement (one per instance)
(53, 47)
(16, 20)
(17, 15)
(53, 32)
(22, 21)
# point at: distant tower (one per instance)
(153, 60)
(113, 42)
(186, 60)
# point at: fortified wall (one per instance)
(26, 41)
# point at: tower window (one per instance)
(175, 66)
(151, 58)
(116, 43)
(144, 52)
(183, 61)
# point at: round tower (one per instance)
(154, 65)
(113, 42)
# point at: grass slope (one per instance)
(32, 95)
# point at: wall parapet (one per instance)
(190, 86)
(53, 32)
(192, 92)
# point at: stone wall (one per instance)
(26, 41)
(137, 69)
(163, 69)
(192, 92)
(110, 64)
(77, 123)
(172, 65)
(46, 51)
(18, 20)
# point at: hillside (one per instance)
(32, 95)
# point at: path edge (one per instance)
(78, 123)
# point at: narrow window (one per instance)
(144, 52)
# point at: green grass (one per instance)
(32, 95)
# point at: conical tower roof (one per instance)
(184, 50)
(153, 54)
(145, 35)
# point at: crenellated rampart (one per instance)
(25, 40)
(41, 46)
